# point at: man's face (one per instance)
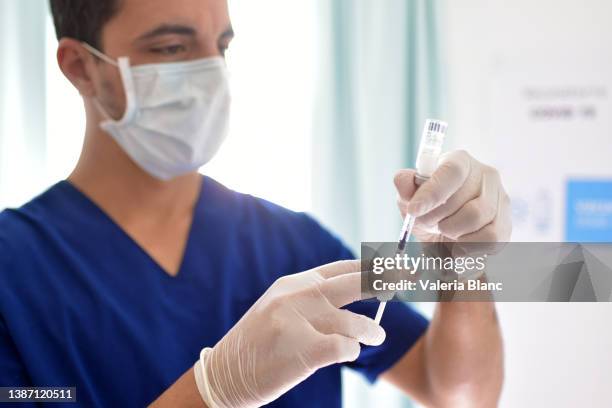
(158, 31)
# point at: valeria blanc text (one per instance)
(436, 285)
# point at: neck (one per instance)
(107, 175)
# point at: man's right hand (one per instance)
(294, 329)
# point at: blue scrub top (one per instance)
(81, 304)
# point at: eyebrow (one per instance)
(165, 29)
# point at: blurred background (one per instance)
(329, 100)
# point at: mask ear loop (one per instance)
(128, 86)
(100, 54)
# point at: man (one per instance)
(120, 278)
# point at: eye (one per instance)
(169, 49)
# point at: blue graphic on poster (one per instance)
(589, 211)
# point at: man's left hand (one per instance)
(463, 201)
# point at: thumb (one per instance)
(404, 183)
(406, 188)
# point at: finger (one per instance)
(446, 180)
(404, 183)
(349, 324)
(342, 290)
(473, 216)
(339, 268)
(402, 205)
(485, 234)
(334, 348)
(473, 249)
(500, 230)
(470, 190)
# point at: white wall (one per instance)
(22, 97)
(558, 355)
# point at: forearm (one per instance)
(459, 361)
(463, 355)
(183, 393)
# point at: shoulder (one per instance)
(16, 235)
(21, 228)
(39, 208)
(13, 228)
(293, 230)
(3, 243)
(8, 227)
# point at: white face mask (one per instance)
(176, 116)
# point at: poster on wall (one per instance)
(553, 123)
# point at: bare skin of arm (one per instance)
(183, 393)
(459, 360)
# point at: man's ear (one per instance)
(77, 64)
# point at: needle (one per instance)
(401, 247)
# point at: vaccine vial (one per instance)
(430, 149)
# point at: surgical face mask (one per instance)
(176, 116)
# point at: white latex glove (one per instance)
(294, 329)
(464, 201)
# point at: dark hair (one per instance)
(82, 20)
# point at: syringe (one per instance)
(426, 163)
